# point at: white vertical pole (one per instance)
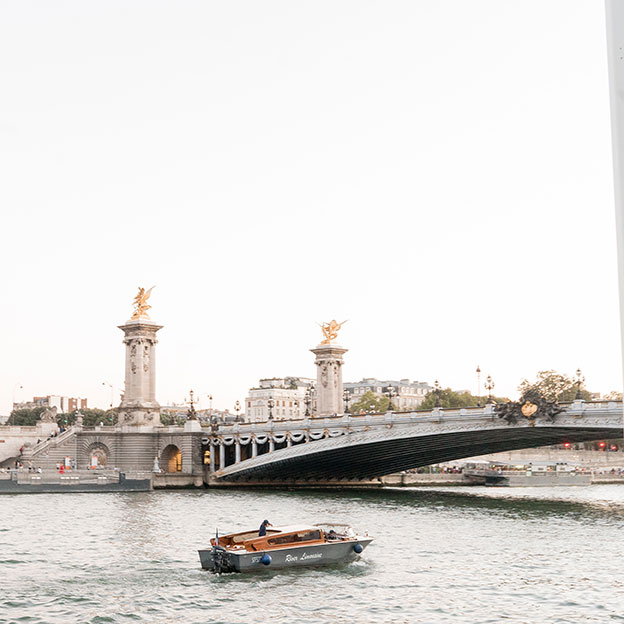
(615, 54)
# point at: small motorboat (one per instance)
(283, 547)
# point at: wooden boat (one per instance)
(283, 547)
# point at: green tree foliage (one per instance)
(25, 417)
(450, 399)
(171, 418)
(554, 386)
(91, 417)
(28, 417)
(371, 402)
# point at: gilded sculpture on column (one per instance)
(330, 331)
(140, 304)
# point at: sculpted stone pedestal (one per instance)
(329, 379)
(139, 405)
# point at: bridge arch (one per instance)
(378, 445)
(171, 459)
(97, 455)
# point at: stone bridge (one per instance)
(347, 447)
(367, 446)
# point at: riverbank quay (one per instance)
(74, 481)
(512, 479)
(86, 481)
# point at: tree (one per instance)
(450, 399)
(371, 402)
(554, 386)
(25, 417)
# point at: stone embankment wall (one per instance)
(132, 448)
(12, 439)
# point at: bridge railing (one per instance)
(355, 422)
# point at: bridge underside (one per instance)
(375, 459)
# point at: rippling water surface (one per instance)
(453, 555)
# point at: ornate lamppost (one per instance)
(478, 386)
(579, 382)
(307, 400)
(437, 389)
(237, 409)
(270, 405)
(371, 408)
(390, 393)
(346, 397)
(191, 414)
(489, 386)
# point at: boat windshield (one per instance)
(342, 530)
(301, 536)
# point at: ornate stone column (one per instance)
(329, 379)
(139, 405)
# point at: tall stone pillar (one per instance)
(329, 379)
(139, 405)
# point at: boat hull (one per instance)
(328, 553)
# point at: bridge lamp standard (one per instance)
(307, 400)
(346, 397)
(579, 381)
(237, 409)
(478, 386)
(270, 405)
(489, 386)
(390, 393)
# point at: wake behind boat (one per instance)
(283, 547)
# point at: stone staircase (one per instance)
(54, 450)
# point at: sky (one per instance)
(438, 173)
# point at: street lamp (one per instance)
(16, 387)
(390, 393)
(478, 386)
(437, 389)
(346, 397)
(105, 383)
(579, 381)
(489, 386)
(237, 409)
(191, 414)
(371, 408)
(270, 405)
(307, 399)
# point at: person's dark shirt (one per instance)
(262, 530)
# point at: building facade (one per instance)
(408, 395)
(287, 394)
(64, 405)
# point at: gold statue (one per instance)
(330, 331)
(140, 304)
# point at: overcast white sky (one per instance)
(437, 172)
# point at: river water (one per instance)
(478, 555)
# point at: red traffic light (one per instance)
(601, 444)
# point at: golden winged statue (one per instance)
(330, 331)
(140, 304)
